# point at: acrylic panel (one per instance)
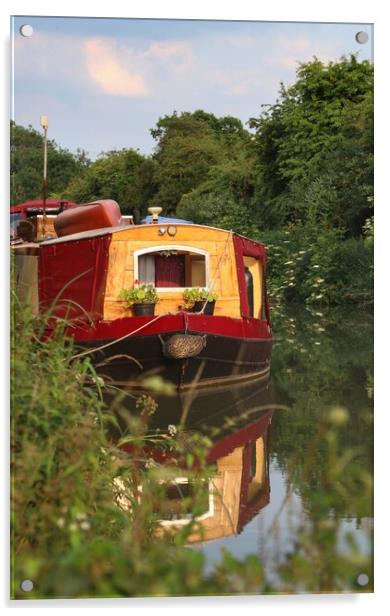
(192, 297)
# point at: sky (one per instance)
(104, 83)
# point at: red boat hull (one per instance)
(131, 349)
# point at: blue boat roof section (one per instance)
(163, 219)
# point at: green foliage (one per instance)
(112, 176)
(225, 198)
(323, 366)
(142, 294)
(27, 165)
(186, 150)
(191, 147)
(303, 183)
(317, 266)
(85, 514)
(191, 296)
(318, 137)
(81, 524)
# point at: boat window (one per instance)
(176, 504)
(254, 287)
(249, 290)
(173, 268)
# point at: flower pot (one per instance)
(143, 310)
(198, 306)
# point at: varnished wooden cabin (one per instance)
(84, 273)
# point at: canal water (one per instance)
(292, 457)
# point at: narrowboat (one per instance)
(97, 257)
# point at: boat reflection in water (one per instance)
(238, 421)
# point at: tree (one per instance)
(112, 176)
(319, 130)
(189, 147)
(27, 165)
(225, 197)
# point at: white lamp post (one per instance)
(45, 125)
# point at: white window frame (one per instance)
(165, 247)
(187, 519)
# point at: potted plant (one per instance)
(142, 298)
(200, 300)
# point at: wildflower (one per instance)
(316, 266)
(172, 430)
(61, 522)
(81, 516)
(73, 526)
(317, 343)
(338, 416)
(288, 262)
(302, 252)
(85, 525)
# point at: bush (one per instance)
(318, 267)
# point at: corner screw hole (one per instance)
(26, 30)
(27, 585)
(362, 579)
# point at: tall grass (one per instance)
(82, 525)
(69, 536)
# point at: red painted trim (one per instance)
(244, 247)
(38, 204)
(183, 321)
(249, 510)
(74, 272)
(243, 437)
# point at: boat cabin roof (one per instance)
(112, 230)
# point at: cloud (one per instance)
(110, 72)
(287, 51)
(177, 54)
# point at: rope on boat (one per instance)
(217, 269)
(135, 331)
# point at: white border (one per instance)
(376, 12)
